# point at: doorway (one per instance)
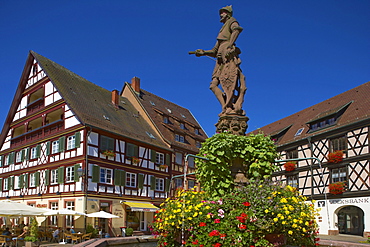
(351, 220)
(105, 224)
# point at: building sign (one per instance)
(351, 201)
(321, 204)
(41, 205)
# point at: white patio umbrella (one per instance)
(9, 208)
(102, 214)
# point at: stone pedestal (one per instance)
(234, 124)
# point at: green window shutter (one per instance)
(61, 175)
(77, 139)
(11, 158)
(140, 181)
(106, 143)
(111, 144)
(62, 142)
(20, 181)
(38, 151)
(136, 151)
(152, 182)
(168, 160)
(37, 179)
(76, 177)
(153, 155)
(129, 150)
(167, 184)
(1, 160)
(95, 174)
(27, 156)
(123, 178)
(47, 177)
(117, 177)
(48, 148)
(11, 182)
(22, 155)
(25, 184)
(1, 184)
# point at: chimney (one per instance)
(115, 98)
(135, 84)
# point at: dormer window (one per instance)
(165, 120)
(182, 126)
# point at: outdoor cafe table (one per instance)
(78, 234)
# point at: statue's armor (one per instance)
(225, 32)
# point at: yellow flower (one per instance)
(290, 232)
(266, 211)
(276, 219)
(283, 222)
(283, 200)
(287, 212)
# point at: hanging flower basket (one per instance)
(290, 166)
(109, 153)
(337, 188)
(335, 157)
(135, 160)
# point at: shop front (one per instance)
(139, 214)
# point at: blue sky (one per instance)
(295, 53)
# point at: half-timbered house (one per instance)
(68, 143)
(329, 144)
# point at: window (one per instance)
(54, 176)
(159, 158)
(33, 153)
(132, 150)
(178, 158)
(165, 120)
(6, 184)
(18, 157)
(293, 181)
(69, 218)
(339, 143)
(70, 174)
(292, 154)
(191, 162)
(159, 184)
(131, 179)
(191, 184)
(182, 126)
(32, 180)
(196, 131)
(179, 138)
(71, 142)
(198, 144)
(339, 174)
(106, 143)
(55, 147)
(6, 160)
(106, 175)
(54, 218)
(178, 183)
(299, 132)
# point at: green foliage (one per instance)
(34, 231)
(91, 229)
(129, 231)
(255, 153)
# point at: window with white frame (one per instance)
(69, 218)
(32, 179)
(130, 179)
(18, 157)
(55, 147)
(6, 184)
(338, 144)
(54, 176)
(338, 174)
(6, 160)
(34, 153)
(70, 174)
(293, 181)
(106, 175)
(159, 158)
(71, 142)
(54, 218)
(159, 184)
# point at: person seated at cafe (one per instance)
(56, 234)
(7, 233)
(23, 234)
(72, 230)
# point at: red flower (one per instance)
(201, 245)
(289, 166)
(242, 227)
(217, 245)
(247, 204)
(337, 188)
(335, 157)
(202, 224)
(217, 221)
(222, 235)
(195, 242)
(214, 233)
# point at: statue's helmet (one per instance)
(229, 9)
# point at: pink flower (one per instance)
(217, 221)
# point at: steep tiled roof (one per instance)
(93, 104)
(355, 102)
(157, 106)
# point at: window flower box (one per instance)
(337, 188)
(135, 160)
(163, 167)
(335, 157)
(109, 153)
(290, 166)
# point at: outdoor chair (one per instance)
(3, 240)
(49, 236)
(72, 237)
(86, 236)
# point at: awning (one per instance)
(141, 206)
